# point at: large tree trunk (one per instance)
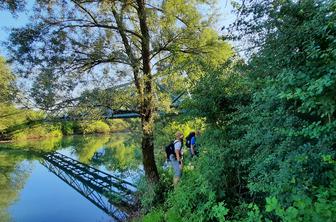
(145, 90)
(147, 102)
(148, 151)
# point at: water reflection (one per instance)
(113, 154)
(12, 178)
(119, 152)
(111, 194)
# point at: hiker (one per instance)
(176, 157)
(191, 143)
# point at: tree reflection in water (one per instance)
(116, 153)
(14, 172)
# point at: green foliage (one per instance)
(25, 124)
(147, 192)
(10, 117)
(88, 127)
(6, 81)
(268, 151)
(157, 216)
(165, 133)
(68, 128)
(152, 195)
(89, 146)
(194, 200)
(12, 179)
(67, 52)
(288, 129)
(217, 92)
(44, 144)
(117, 152)
(118, 125)
(180, 29)
(20, 124)
(319, 207)
(36, 132)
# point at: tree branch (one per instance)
(128, 49)
(162, 11)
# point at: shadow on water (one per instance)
(110, 193)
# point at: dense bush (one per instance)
(152, 195)
(88, 127)
(37, 131)
(268, 153)
(69, 128)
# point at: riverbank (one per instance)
(37, 129)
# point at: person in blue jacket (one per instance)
(191, 143)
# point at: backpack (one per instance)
(170, 149)
(188, 139)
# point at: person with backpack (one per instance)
(175, 156)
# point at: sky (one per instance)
(7, 20)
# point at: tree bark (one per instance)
(147, 102)
(144, 88)
(148, 155)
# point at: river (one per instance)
(55, 180)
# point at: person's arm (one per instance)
(192, 149)
(178, 158)
(177, 148)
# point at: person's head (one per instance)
(198, 133)
(179, 135)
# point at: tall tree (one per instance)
(70, 41)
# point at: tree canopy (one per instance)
(70, 44)
(75, 43)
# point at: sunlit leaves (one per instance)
(6, 82)
(271, 123)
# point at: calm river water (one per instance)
(35, 187)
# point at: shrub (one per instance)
(194, 200)
(37, 131)
(156, 215)
(152, 195)
(68, 128)
(89, 127)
